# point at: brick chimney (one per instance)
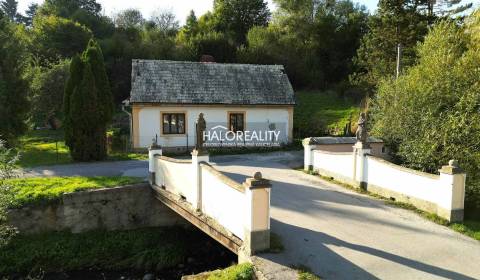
(206, 58)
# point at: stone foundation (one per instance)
(120, 208)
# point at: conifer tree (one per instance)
(88, 106)
(76, 71)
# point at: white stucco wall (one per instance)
(436, 193)
(176, 177)
(225, 204)
(149, 121)
(340, 163)
(402, 180)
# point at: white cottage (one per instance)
(241, 103)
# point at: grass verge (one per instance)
(47, 147)
(305, 273)
(321, 113)
(31, 191)
(150, 249)
(470, 228)
(237, 272)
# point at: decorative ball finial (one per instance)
(453, 163)
(257, 176)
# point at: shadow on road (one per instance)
(317, 248)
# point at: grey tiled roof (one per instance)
(159, 81)
(340, 140)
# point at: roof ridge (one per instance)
(208, 63)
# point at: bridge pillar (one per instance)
(257, 219)
(308, 155)
(153, 150)
(197, 158)
(360, 152)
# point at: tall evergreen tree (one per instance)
(88, 106)
(9, 8)
(74, 79)
(13, 87)
(396, 22)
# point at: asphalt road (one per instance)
(340, 234)
(337, 233)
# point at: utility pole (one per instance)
(399, 59)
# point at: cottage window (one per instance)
(237, 122)
(173, 123)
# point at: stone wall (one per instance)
(119, 208)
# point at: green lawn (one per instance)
(47, 147)
(322, 113)
(32, 191)
(143, 249)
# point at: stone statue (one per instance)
(201, 126)
(361, 133)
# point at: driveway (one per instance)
(134, 168)
(340, 234)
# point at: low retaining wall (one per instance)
(119, 208)
(442, 194)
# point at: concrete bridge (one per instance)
(237, 215)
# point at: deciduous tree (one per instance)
(431, 113)
(14, 104)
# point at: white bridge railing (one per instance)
(442, 194)
(241, 208)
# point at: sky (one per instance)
(180, 8)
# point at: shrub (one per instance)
(431, 113)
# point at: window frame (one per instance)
(244, 118)
(162, 129)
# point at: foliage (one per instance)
(314, 41)
(30, 14)
(84, 12)
(14, 105)
(470, 228)
(165, 21)
(307, 275)
(237, 17)
(130, 18)
(396, 22)
(322, 113)
(237, 272)
(115, 250)
(431, 114)
(35, 191)
(9, 8)
(54, 38)
(46, 92)
(88, 106)
(8, 159)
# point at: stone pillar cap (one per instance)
(452, 168)
(307, 141)
(196, 152)
(257, 182)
